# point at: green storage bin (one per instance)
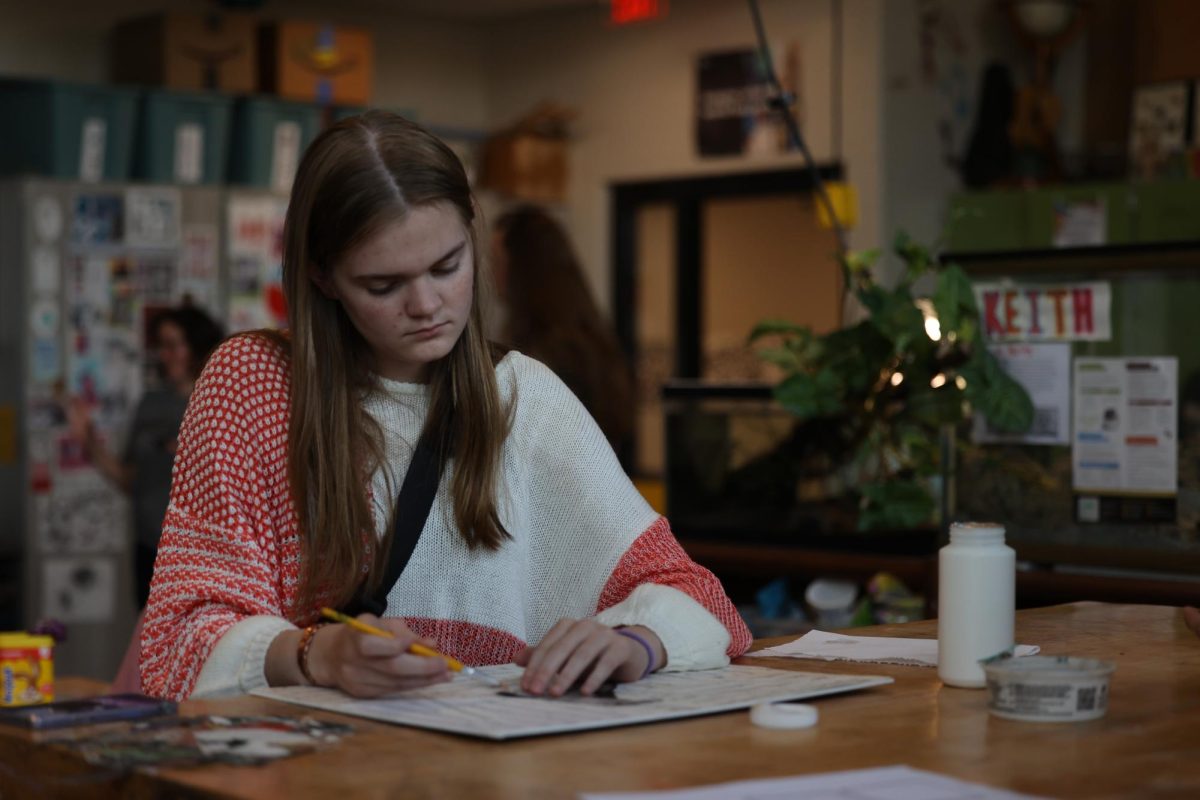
(1044, 208)
(183, 137)
(1168, 211)
(66, 130)
(986, 221)
(269, 137)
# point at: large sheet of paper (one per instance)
(470, 708)
(1045, 372)
(825, 646)
(882, 783)
(1126, 425)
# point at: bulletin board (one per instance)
(1112, 466)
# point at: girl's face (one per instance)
(408, 289)
(174, 353)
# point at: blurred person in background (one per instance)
(553, 318)
(182, 339)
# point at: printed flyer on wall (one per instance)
(1044, 369)
(1126, 417)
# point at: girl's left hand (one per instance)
(574, 648)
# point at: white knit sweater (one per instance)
(574, 517)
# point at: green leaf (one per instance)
(968, 329)
(921, 447)
(935, 407)
(995, 394)
(916, 257)
(873, 298)
(784, 357)
(809, 396)
(857, 355)
(894, 505)
(860, 261)
(899, 319)
(954, 299)
(778, 327)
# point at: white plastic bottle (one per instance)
(977, 576)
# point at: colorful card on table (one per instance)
(87, 711)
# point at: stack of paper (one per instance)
(894, 783)
(469, 707)
(875, 649)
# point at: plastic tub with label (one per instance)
(1048, 688)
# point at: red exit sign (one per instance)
(627, 11)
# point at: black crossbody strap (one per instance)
(412, 509)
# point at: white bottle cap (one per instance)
(784, 715)
(976, 532)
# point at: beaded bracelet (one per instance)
(306, 640)
(642, 641)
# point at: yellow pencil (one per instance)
(415, 648)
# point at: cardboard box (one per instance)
(526, 166)
(311, 62)
(529, 160)
(188, 51)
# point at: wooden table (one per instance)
(1147, 746)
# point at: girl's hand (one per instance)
(365, 665)
(584, 648)
(1192, 618)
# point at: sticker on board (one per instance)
(152, 217)
(47, 219)
(86, 515)
(99, 219)
(46, 269)
(79, 589)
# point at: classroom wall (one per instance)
(910, 81)
(634, 88)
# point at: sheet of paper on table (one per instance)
(882, 783)
(825, 646)
(470, 708)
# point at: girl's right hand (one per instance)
(365, 665)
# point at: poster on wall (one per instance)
(98, 219)
(1126, 436)
(733, 115)
(152, 217)
(255, 227)
(1160, 126)
(1044, 369)
(79, 589)
(103, 355)
(1045, 312)
(83, 513)
(1080, 223)
(197, 278)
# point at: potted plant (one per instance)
(881, 395)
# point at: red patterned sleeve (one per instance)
(222, 556)
(656, 557)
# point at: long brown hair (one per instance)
(553, 318)
(357, 177)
